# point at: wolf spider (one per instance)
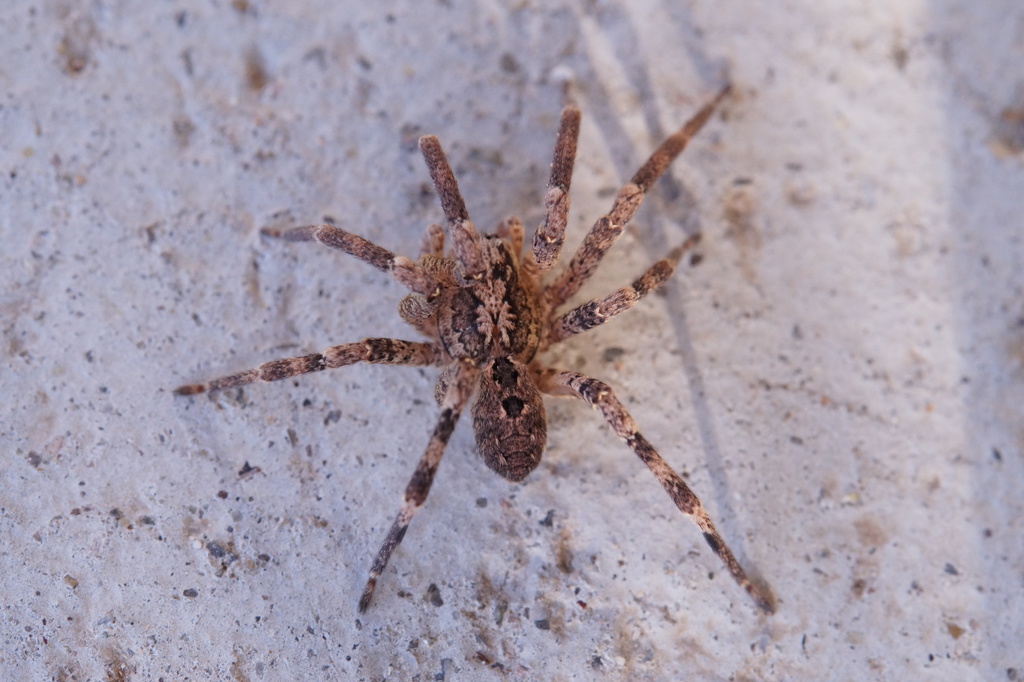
(488, 316)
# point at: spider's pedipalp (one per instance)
(374, 351)
(607, 230)
(600, 395)
(466, 241)
(407, 272)
(433, 241)
(599, 311)
(457, 393)
(550, 235)
(417, 311)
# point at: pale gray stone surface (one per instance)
(841, 377)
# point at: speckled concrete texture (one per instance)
(840, 378)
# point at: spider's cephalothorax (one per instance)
(487, 316)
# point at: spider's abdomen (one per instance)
(509, 420)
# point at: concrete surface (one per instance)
(841, 378)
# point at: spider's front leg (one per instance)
(600, 396)
(458, 390)
(550, 234)
(607, 230)
(466, 241)
(409, 273)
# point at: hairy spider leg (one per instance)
(550, 234)
(466, 241)
(374, 351)
(409, 273)
(600, 396)
(599, 311)
(458, 392)
(607, 230)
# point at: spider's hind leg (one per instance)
(600, 396)
(459, 389)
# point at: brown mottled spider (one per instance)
(488, 316)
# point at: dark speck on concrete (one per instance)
(248, 469)
(434, 595)
(613, 353)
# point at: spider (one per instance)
(488, 316)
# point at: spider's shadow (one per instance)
(673, 201)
